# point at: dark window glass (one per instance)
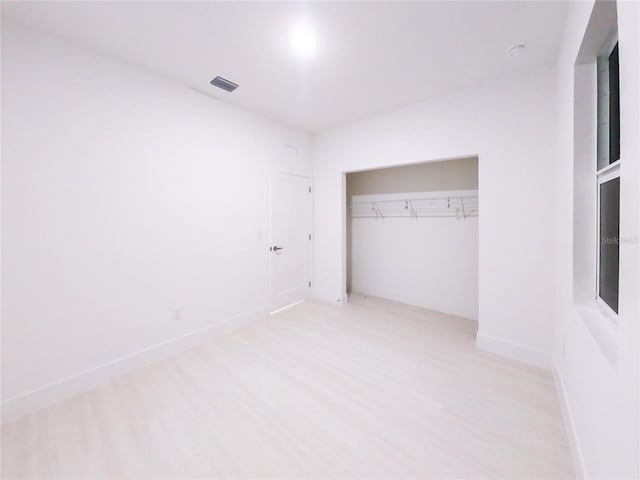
(609, 241)
(614, 106)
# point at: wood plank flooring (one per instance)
(374, 389)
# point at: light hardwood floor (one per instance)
(374, 389)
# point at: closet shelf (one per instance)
(455, 206)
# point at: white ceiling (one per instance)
(371, 56)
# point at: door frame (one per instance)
(275, 176)
(344, 295)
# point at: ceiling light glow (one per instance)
(303, 40)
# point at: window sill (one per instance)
(602, 329)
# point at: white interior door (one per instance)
(290, 234)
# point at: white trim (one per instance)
(286, 307)
(612, 166)
(514, 350)
(328, 298)
(387, 197)
(38, 398)
(608, 173)
(293, 174)
(569, 423)
(409, 163)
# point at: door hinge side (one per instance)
(309, 189)
(309, 283)
(309, 236)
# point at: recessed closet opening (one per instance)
(412, 235)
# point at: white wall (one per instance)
(427, 262)
(509, 125)
(597, 365)
(124, 198)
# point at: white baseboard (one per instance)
(516, 351)
(56, 391)
(322, 296)
(574, 444)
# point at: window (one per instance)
(608, 177)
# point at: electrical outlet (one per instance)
(177, 314)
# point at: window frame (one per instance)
(605, 174)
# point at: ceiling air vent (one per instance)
(224, 84)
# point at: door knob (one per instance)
(275, 249)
